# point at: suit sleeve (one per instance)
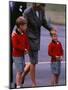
(45, 23)
(30, 21)
(16, 44)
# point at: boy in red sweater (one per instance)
(55, 50)
(20, 46)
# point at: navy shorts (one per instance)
(19, 63)
(33, 54)
(55, 67)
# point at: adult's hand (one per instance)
(53, 31)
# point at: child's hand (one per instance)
(61, 57)
(26, 51)
(58, 57)
(13, 33)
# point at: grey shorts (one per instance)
(55, 67)
(33, 54)
(19, 63)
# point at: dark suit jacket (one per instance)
(34, 24)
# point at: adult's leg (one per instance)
(34, 60)
(32, 73)
(18, 79)
(26, 71)
(29, 68)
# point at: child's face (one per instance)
(23, 27)
(54, 37)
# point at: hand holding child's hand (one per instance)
(53, 31)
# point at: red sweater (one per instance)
(55, 49)
(20, 43)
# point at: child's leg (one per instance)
(56, 72)
(56, 79)
(53, 71)
(21, 76)
(18, 79)
(19, 64)
(58, 64)
(53, 80)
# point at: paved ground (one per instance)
(43, 71)
(43, 75)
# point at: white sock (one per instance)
(18, 86)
